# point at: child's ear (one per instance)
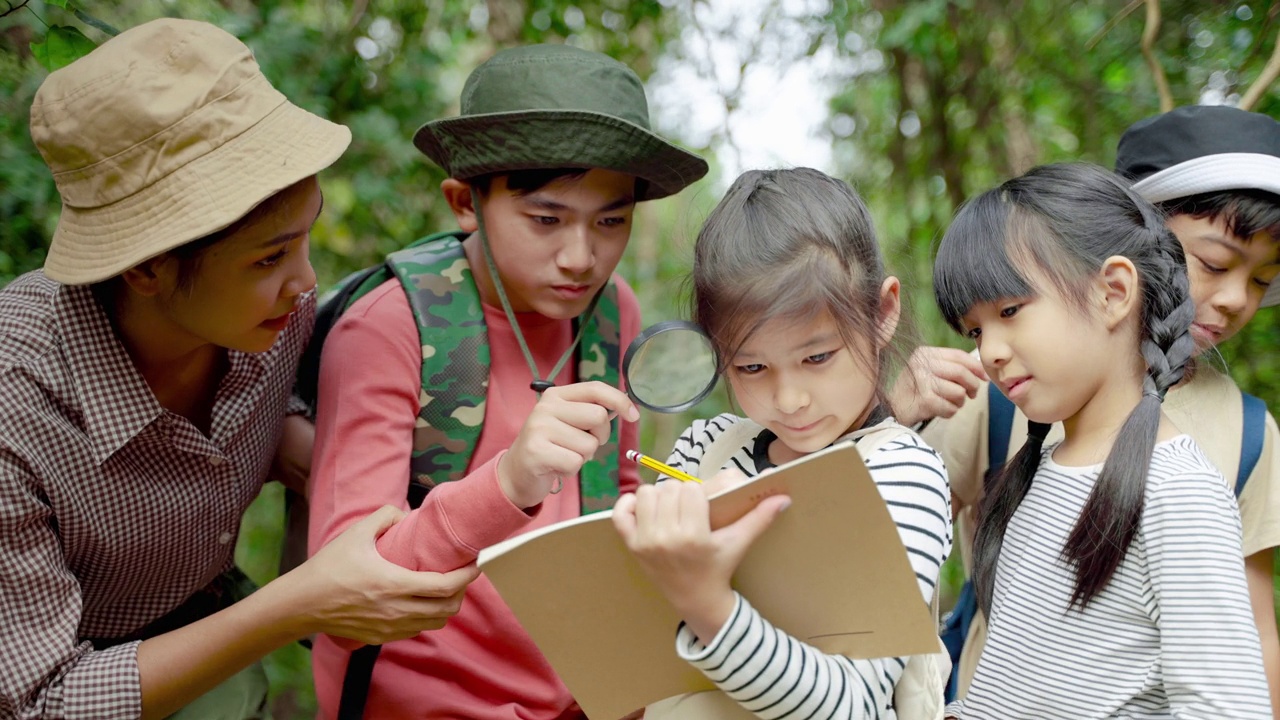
(1118, 290)
(890, 310)
(458, 194)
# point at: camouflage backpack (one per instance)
(455, 362)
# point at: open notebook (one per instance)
(831, 571)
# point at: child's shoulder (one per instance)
(903, 439)
(907, 451)
(387, 301)
(1181, 469)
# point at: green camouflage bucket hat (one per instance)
(557, 106)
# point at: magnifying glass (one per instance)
(670, 366)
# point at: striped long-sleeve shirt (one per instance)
(775, 675)
(1171, 636)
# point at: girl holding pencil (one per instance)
(789, 283)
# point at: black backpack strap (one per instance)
(355, 684)
(1251, 438)
(307, 384)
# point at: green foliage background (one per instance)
(935, 100)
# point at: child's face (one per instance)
(1048, 355)
(1228, 275)
(800, 380)
(556, 246)
(248, 283)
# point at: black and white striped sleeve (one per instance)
(913, 482)
(777, 676)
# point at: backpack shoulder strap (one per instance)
(999, 427)
(599, 357)
(442, 293)
(871, 439)
(738, 435)
(1251, 439)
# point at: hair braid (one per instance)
(1168, 310)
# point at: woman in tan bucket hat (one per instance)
(146, 375)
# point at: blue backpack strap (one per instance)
(999, 426)
(955, 628)
(1254, 431)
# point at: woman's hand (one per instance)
(936, 383)
(667, 527)
(349, 590)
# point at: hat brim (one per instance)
(204, 196)
(1216, 173)
(1212, 173)
(475, 145)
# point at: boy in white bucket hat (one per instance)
(146, 376)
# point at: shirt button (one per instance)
(215, 460)
(224, 538)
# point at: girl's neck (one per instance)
(1091, 432)
(181, 371)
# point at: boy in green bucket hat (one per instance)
(477, 378)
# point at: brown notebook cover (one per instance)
(831, 571)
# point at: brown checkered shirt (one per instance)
(112, 509)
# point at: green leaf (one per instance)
(61, 46)
(57, 3)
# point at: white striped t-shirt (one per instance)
(1171, 636)
(777, 676)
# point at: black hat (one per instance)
(1200, 149)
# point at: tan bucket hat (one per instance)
(166, 133)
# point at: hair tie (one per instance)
(1038, 431)
(1159, 396)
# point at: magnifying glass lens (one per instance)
(670, 367)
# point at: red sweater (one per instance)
(482, 664)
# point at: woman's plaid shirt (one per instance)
(112, 509)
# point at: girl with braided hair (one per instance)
(1109, 564)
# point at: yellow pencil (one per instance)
(661, 467)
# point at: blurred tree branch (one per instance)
(1260, 86)
(1148, 51)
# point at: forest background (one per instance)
(919, 104)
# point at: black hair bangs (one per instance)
(1246, 212)
(976, 259)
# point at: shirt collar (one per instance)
(116, 401)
